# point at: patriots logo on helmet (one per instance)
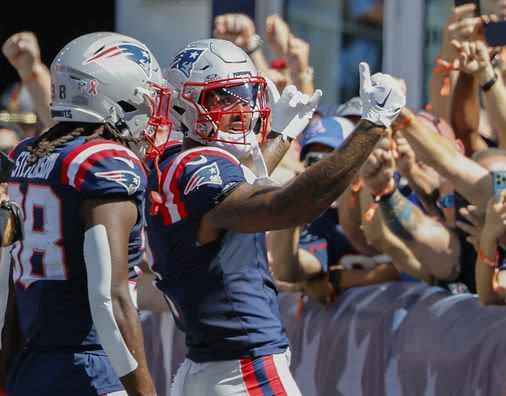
(209, 174)
(185, 59)
(139, 55)
(129, 180)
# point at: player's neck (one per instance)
(190, 143)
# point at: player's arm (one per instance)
(274, 149)
(108, 223)
(253, 208)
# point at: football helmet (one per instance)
(109, 77)
(219, 98)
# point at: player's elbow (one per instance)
(106, 298)
(99, 301)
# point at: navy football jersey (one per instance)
(222, 294)
(49, 268)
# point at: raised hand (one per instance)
(475, 219)
(298, 55)
(277, 34)
(474, 56)
(23, 53)
(404, 154)
(378, 170)
(236, 27)
(382, 97)
(292, 110)
(495, 219)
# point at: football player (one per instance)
(208, 213)
(80, 186)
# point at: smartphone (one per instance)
(495, 33)
(477, 8)
(499, 178)
(460, 202)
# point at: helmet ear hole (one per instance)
(178, 109)
(126, 107)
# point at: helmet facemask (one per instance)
(154, 137)
(230, 111)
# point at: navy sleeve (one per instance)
(195, 181)
(102, 168)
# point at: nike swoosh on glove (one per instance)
(381, 95)
(292, 110)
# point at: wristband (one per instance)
(445, 68)
(279, 63)
(259, 44)
(383, 195)
(446, 201)
(27, 80)
(355, 187)
(486, 87)
(406, 123)
(490, 263)
(386, 192)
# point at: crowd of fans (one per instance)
(428, 205)
(417, 200)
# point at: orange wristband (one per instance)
(385, 192)
(406, 123)
(31, 77)
(490, 263)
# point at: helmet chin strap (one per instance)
(140, 148)
(119, 123)
(258, 158)
(259, 161)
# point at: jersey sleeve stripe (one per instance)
(174, 205)
(89, 162)
(71, 156)
(75, 167)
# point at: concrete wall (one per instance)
(164, 25)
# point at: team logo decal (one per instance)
(129, 180)
(131, 52)
(209, 174)
(185, 59)
(86, 88)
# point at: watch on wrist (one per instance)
(258, 44)
(489, 84)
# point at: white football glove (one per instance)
(381, 95)
(292, 110)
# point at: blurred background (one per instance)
(400, 37)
